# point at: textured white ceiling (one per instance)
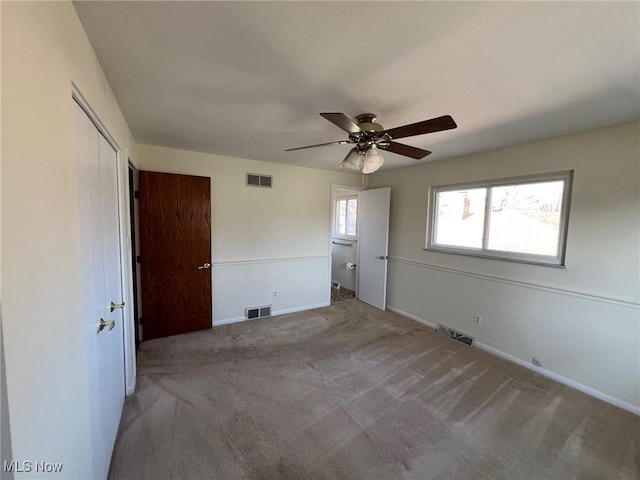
(248, 79)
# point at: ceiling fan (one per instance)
(369, 136)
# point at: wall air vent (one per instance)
(255, 180)
(251, 313)
(451, 333)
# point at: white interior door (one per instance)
(100, 240)
(374, 246)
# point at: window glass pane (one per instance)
(352, 215)
(341, 217)
(460, 217)
(525, 218)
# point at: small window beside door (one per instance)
(346, 217)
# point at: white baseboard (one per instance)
(542, 371)
(411, 317)
(301, 309)
(275, 313)
(227, 321)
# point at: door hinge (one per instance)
(138, 259)
(136, 194)
(140, 321)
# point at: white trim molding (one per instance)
(542, 371)
(226, 263)
(411, 317)
(76, 94)
(621, 302)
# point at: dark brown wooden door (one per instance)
(175, 248)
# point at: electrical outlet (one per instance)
(477, 318)
(275, 293)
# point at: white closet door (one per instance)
(100, 239)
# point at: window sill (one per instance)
(489, 256)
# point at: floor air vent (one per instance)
(257, 312)
(451, 333)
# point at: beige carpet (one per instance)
(350, 392)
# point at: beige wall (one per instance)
(44, 50)
(262, 239)
(581, 321)
(5, 433)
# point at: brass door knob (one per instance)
(109, 324)
(116, 305)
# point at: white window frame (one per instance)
(336, 217)
(554, 261)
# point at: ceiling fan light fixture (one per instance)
(372, 160)
(353, 161)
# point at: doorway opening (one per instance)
(135, 249)
(345, 219)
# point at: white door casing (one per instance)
(374, 246)
(102, 275)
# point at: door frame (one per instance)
(122, 166)
(332, 213)
(132, 177)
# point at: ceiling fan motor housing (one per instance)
(367, 123)
(370, 132)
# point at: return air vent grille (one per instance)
(451, 333)
(257, 312)
(255, 180)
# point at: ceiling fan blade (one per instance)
(339, 142)
(406, 150)
(420, 128)
(354, 149)
(341, 120)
